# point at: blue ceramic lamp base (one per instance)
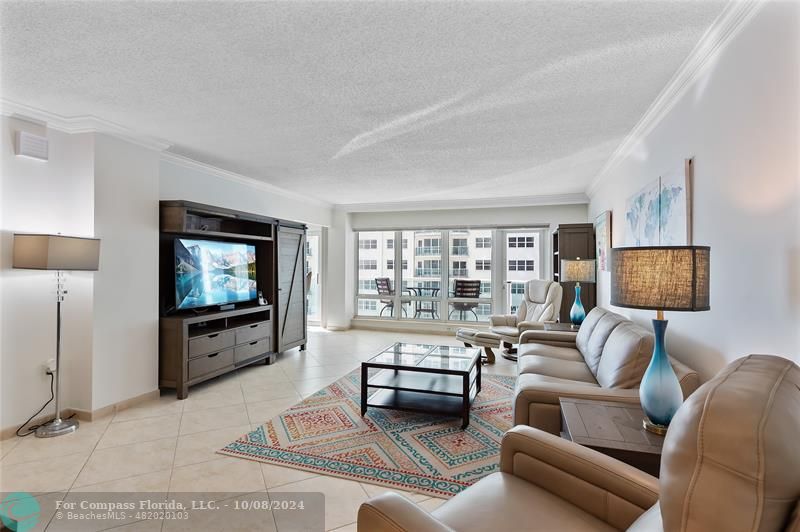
(660, 391)
(577, 313)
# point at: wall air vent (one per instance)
(32, 146)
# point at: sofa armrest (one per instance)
(391, 512)
(554, 338)
(503, 320)
(598, 484)
(532, 388)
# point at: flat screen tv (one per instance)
(209, 273)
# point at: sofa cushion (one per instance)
(588, 325)
(502, 501)
(545, 350)
(625, 357)
(554, 367)
(597, 340)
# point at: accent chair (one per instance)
(541, 302)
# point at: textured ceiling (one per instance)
(362, 102)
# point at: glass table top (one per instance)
(428, 356)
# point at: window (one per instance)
(520, 265)
(367, 304)
(429, 246)
(483, 265)
(367, 285)
(367, 264)
(483, 242)
(404, 265)
(486, 289)
(429, 268)
(368, 244)
(460, 247)
(517, 288)
(459, 268)
(390, 243)
(390, 264)
(520, 242)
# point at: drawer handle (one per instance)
(254, 343)
(213, 355)
(254, 326)
(213, 335)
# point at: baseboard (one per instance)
(443, 329)
(337, 328)
(87, 415)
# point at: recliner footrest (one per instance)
(478, 338)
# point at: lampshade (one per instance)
(661, 278)
(56, 252)
(577, 270)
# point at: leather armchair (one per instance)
(541, 302)
(730, 462)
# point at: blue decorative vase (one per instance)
(576, 313)
(660, 391)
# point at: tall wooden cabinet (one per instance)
(573, 241)
(200, 344)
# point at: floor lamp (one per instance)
(61, 254)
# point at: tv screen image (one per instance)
(210, 273)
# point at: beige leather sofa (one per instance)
(730, 463)
(541, 302)
(605, 359)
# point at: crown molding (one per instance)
(727, 25)
(80, 124)
(215, 171)
(478, 203)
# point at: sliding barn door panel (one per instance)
(291, 288)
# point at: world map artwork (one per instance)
(657, 215)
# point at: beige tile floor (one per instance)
(169, 445)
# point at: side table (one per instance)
(614, 429)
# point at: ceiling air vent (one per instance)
(30, 145)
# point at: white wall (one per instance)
(494, 216)
(740, 123)
(47, 197)
(183, 180)
(125, 357)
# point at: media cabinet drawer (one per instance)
(248, 351)
(253, 332)
(202, 345)
(205, 364)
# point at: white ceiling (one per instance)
(362, 102)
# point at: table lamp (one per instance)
(578, 271)
(59, 253)
(660, 278)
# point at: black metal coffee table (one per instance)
(423, 378)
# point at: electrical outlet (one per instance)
(50, 365)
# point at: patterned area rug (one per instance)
(326, 434)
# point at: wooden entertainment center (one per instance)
(200, 344)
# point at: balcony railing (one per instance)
(459, 272)
(428, 272)
(460, 250)
(428, 250)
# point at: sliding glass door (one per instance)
(444, 275)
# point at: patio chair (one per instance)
(385, 289)
(465, 288)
